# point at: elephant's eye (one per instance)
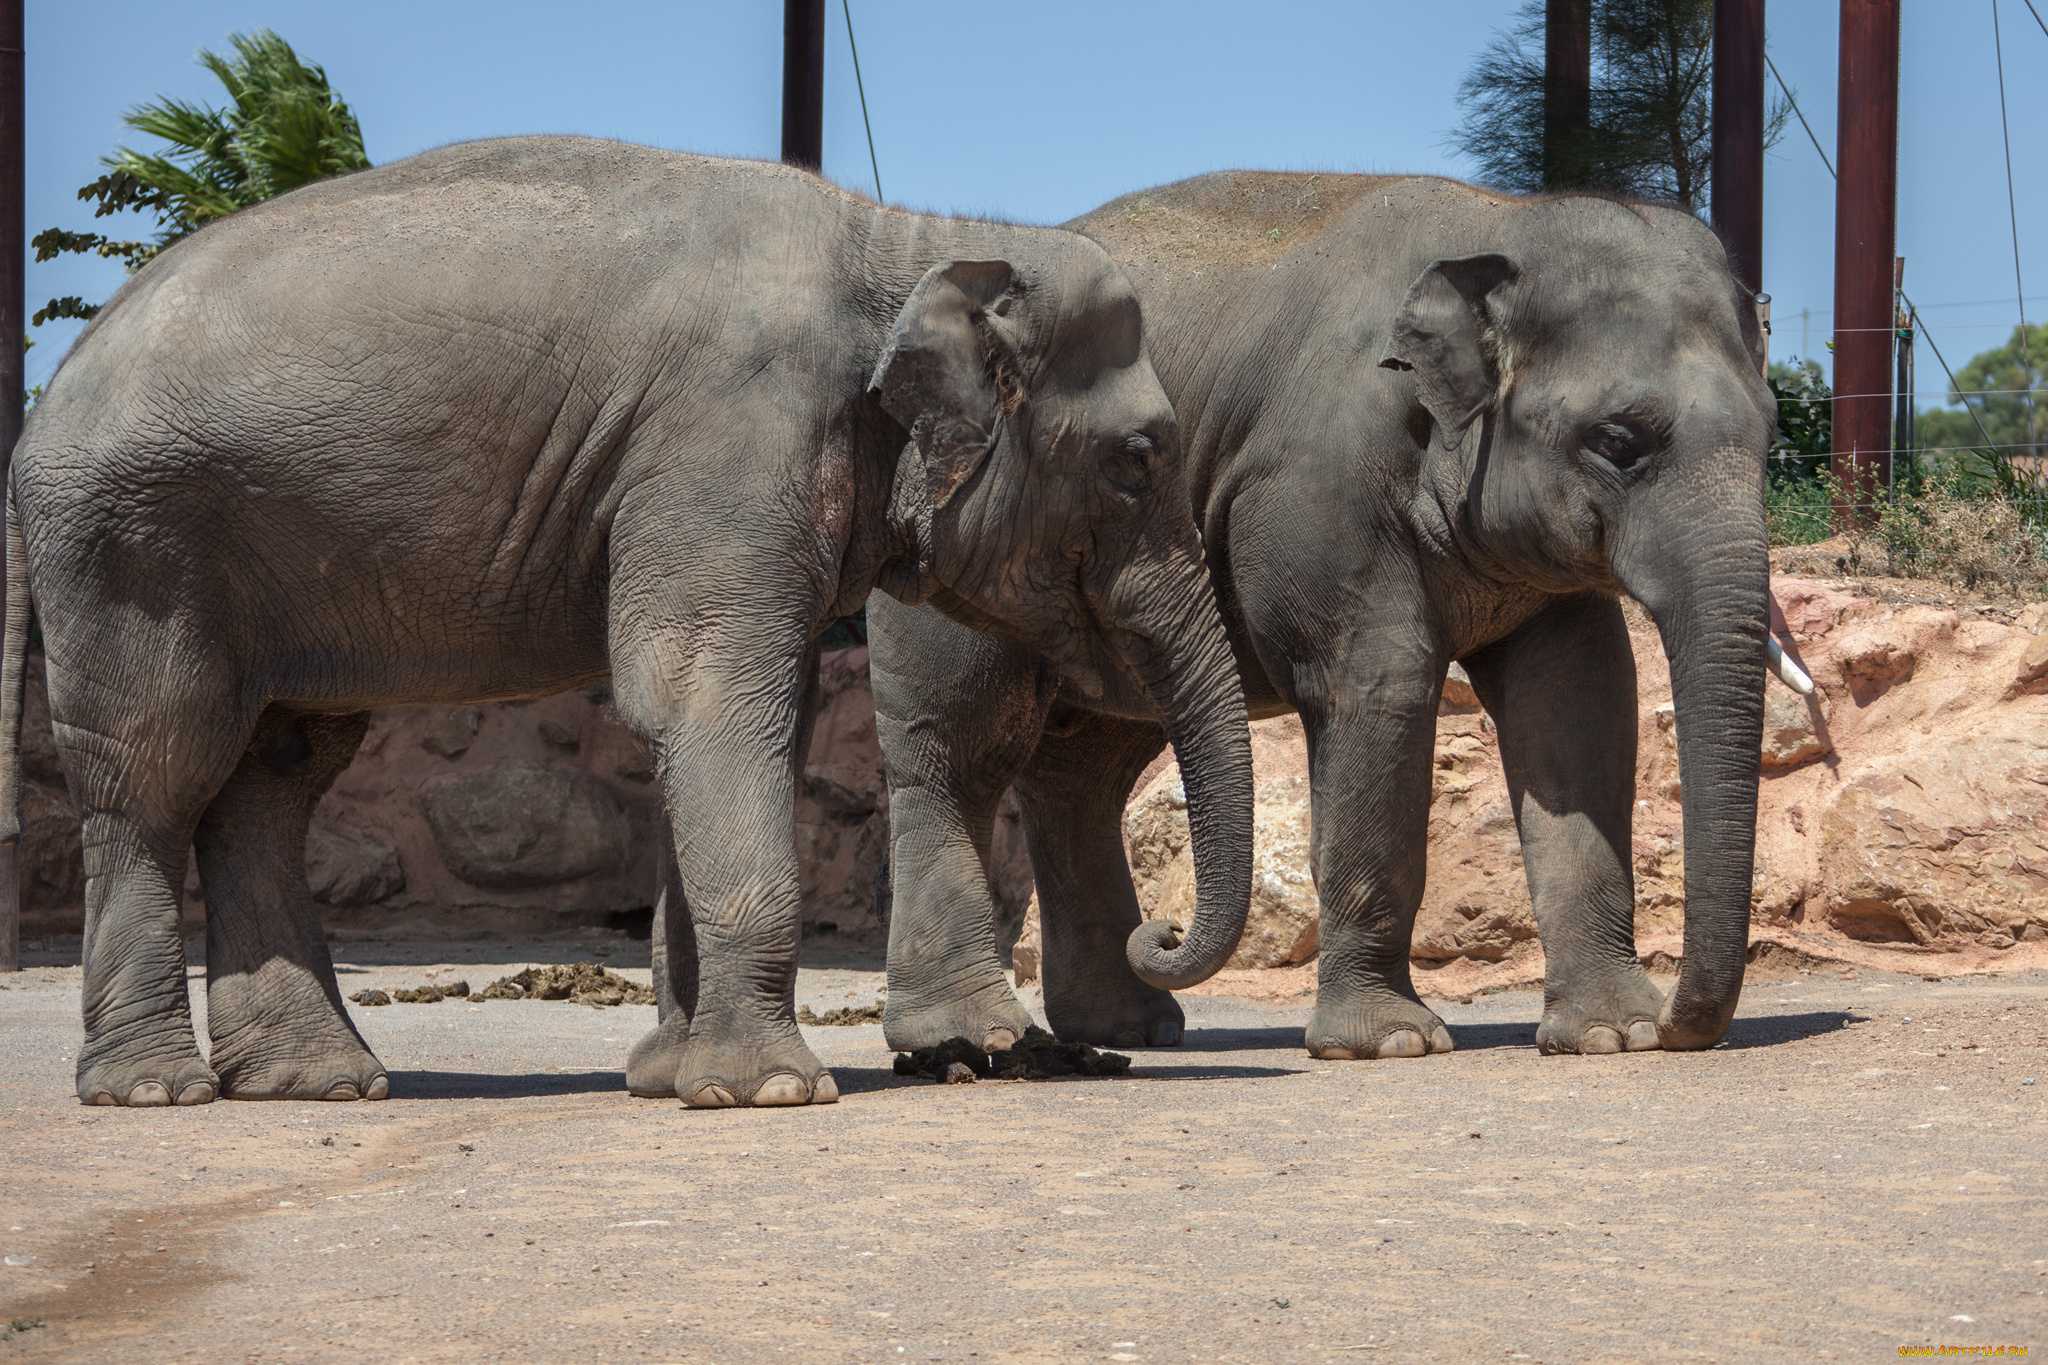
(1621, 444)
(1129, 467)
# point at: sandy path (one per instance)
(1861, 1166)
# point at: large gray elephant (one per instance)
(1425, 422)
(509, 417)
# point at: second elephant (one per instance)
(1425, 422)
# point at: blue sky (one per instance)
(1039, 112)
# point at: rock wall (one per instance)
(522, 816)
(1902, 809)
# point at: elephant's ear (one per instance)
(1448, 334)
(947, 373)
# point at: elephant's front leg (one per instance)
(1371, 731)
(723, 711)
(1562, 691)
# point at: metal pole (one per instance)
(1567, 85)
(803, 83)
(12, 287)
(1865, 220)
(1902, 372)
(1738, 174)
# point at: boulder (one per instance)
(1943, 843)
(1281, 929)
(1791, 735)
(348, 868)
(450, 734)
(523, 824)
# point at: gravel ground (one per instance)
(1860, 1167)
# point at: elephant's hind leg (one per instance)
(1073, 794)
(139, 1046)
(274, 1010)
(142, 765)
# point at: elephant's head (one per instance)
(1042, 490)
(1599, 421)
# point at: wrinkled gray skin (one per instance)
(1424, 423)
(512, 416)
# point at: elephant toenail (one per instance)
(1440, 1041)
(1166, 1035)
(1129, 1037)
(342, 1090)
(826, 1091)
(782, 1088)
(1402, 1043)
(1642, 1036)
(711, 1095)
(199, 1092)
(1600, 1040)
(999, 1040)
(380, 1087)
(148, 1095)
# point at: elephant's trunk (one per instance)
(1175, 645)
(1709, 595)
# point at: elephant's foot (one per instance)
(652, 1063)
(342, 1069)
(1614, 1010)
(708, 1068)
(1377, 1026)
(145, 1081)
(1116, 1013)
(989, 1015)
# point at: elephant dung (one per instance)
(524, 824)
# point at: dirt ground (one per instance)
(1861, 1166)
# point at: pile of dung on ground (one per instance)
(844, 1018)
(586, 983)
(1037, 1056)
(425, 995)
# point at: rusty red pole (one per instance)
(12, 286)
(803, 83)
(1567, 86)
(1866, 196)
(1738, 174)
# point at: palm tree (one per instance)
(285, 127)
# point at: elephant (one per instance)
(513, 416)
(1425, 422)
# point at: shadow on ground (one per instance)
(487, 1085)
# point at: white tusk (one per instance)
(1780, 663)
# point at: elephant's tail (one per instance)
(13, 668)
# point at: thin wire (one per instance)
(2037, 16)
(2012, 206)
(1802, 117)
(872, 163)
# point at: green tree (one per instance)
(1651, 126)
(284, 127)
(2006, 390)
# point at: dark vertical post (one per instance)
(1866, 195)
(803, 83)
(1738, 175)
(12, 288)
(1567, 86)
